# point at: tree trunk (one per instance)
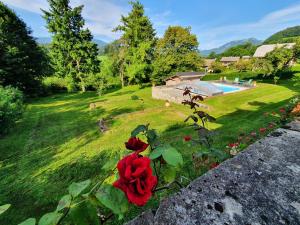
(83, 87)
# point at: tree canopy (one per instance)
(137, 43)
(176, 51)
(247, 49)
(22, 61)
(73, 53)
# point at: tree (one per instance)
(280, 58)
(72, 51)
(246, 49)
(296, 49)
(263, 66)
(212, 55)
(137, 43)
(217, 67)
(22, 62)
(243, 65)
(176, 51)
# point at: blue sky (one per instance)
(215, 22)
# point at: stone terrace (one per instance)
(259, 186)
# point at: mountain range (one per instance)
(47, 40)
(228, 45)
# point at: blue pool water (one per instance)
(227, 88)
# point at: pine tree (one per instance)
(22, 61)
(72, 51)
(138, 41)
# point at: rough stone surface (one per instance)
(259, 186)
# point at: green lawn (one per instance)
(58, 140)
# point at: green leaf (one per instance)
(111, 164)
(151, 136)
(76, 189)
(30, 221)
(114, 199)
(157, 152)
(3, 208)
(169, 174)
(172, 156)
(64, 202)
(84, 213)
(50, 218)
(139, 129)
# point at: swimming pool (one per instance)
(227, 88)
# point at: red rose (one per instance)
(214, 165)
(282, 110)
(233, 145)
(136, 178)
(187, 138)
(262, 130)
(136, 145)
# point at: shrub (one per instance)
(55, 84)
(231, 76)
(11, 107)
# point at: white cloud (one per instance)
(272, 22)
(101, 15)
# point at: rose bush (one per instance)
(136, 178)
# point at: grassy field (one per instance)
(58, 140)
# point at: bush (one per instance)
(11, 107)
(231, 76)
(55, 84)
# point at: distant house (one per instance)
(226, 61)
(263, 50)
(183, 77)
(207, 64)
(246, 57)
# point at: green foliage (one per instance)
(76, 189)
(217, 67)
(64, 202)
(176, 51)
(280, 58)
(246, 49)
(113, 199)
(51, 218)
(107, 77)
(263, 66)
(30, 221)
(296, 49)
(172, 156)
(284, 36)
(138, 40)
(22, 61)
(243, 65)
(11, 107)
(3, 208)
(55, 84)
(73, 53)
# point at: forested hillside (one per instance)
(284, 36)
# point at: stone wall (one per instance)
(259, 186)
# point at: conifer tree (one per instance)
(72, 51)
(22, 61)
(138, 41)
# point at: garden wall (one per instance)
(261, 185)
